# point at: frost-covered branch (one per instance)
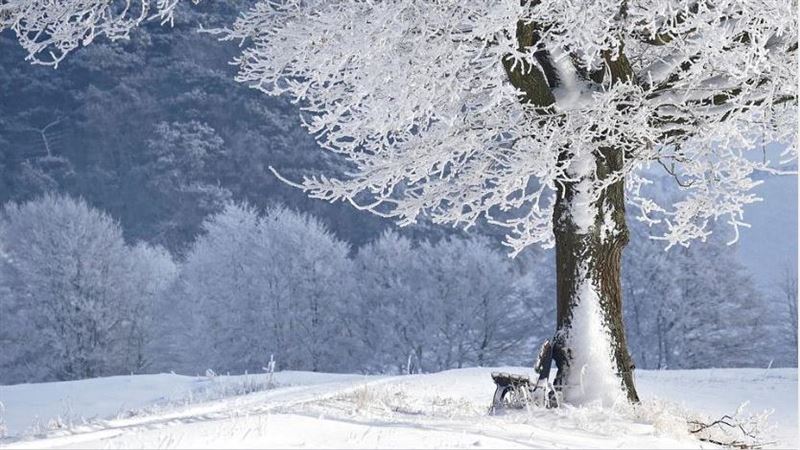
(732, 431)
(467, 110)
(50, 30)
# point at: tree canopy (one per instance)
(469, 109)
(464, 110)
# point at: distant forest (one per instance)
(156, 132)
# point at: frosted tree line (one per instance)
(77, 301)
(684, 311)
(280, 284)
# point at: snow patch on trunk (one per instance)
(582, 208)
(608, 229)
(569, 93)
(592, 375)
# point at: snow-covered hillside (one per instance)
(447, 409)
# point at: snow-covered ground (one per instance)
(447, 409)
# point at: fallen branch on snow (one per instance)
(732, 431)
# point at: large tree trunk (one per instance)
(589, 249)
(589, 290)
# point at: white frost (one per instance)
(569, 94)
(609, 227)
(582, 210)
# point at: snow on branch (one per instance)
(49, 30)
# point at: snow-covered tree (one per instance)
(538, 115)
(535, 114)
(437, 306)
(694, 307)
(259, 285)
(787, 292)
(76, 299)
(150, 271)
(388, 319)
(482, 306)
(313, 265)
(50, 30)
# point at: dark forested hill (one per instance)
(156, 131)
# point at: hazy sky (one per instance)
(771, 243)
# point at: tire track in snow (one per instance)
(253, 404)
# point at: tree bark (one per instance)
(594, 254)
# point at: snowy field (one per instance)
(447, 409)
